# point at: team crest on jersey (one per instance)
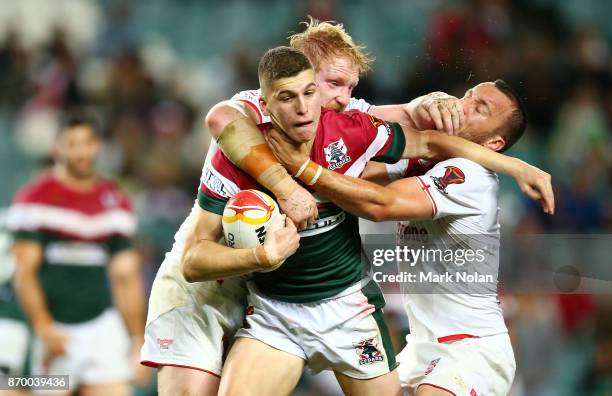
(452, 175)
(368, 351)
(109, 199)
(336, 154)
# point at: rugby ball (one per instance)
(246, 218)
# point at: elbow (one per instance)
(219, 116)
(188, 270)
(215, 121)
(376, 213)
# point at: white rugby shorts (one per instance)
(469, 367)
(345, 333)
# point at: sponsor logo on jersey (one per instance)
(215, 184)
(368, 351)
(452, 175)
(336, 154)
(164, 343)
(432, 366)
(323, 225)
(83, 254)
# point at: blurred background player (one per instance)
(77, 276)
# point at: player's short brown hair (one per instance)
(516, 123)
(322, 41)
(77, 118)
(281, 62)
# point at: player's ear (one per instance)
(263, 105)
(495, 143)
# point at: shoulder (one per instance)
(350, 118)
(251, 95)
(359, 104)
(36, 191)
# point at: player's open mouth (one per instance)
(303, 124)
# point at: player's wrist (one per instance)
(263, 260)
(42, 324)
(513, 167)
(278, 181)
(309, 172)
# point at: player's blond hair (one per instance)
(322, 41)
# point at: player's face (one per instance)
(294, 106)
(336, 80)
(486, 108)
(77, 149)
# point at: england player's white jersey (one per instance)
(464, 197)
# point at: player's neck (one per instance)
(310, 144)
(81, 184)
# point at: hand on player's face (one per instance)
(486, 108)
(441, 112)
(336, 78)
(282, 240)
(292, 155)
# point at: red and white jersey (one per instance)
(464, 197)
(49, 206)
(251, 98)
(344, 143)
